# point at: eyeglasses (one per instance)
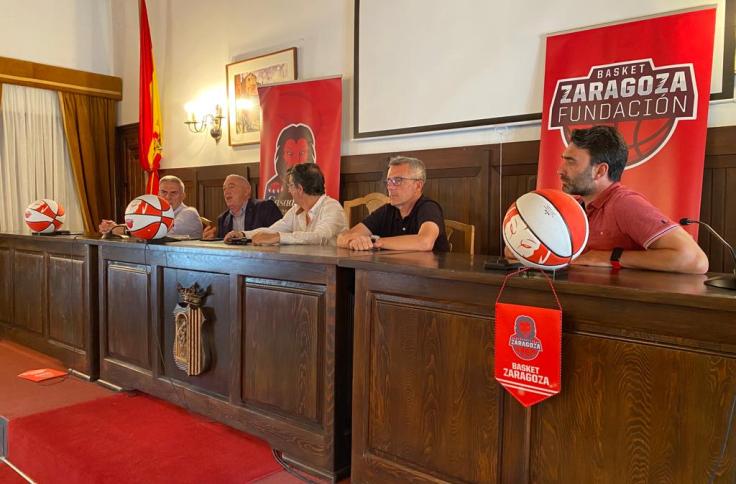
(396, 181)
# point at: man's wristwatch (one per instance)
(616, 257)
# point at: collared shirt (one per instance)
(621, 217)
(387, 221)
(318, 226)
(186, 222)
(239, 218)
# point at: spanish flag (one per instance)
(150, 136)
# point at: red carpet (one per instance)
(133, 438)
(9, 476)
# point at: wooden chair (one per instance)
(372, 201)
(451, 226)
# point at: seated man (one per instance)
(186, 219)
(410, 221)
(625, 229)
(243, 213)
(314, 218)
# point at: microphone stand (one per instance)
(724, 282)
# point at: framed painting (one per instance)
(243, 79)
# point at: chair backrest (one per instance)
(372, 201)
(451, 226)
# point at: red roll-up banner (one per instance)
(301, 124)
(649, 78)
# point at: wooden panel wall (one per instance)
(6, 285)
(204, 185)
(475, 184)
(129, 178)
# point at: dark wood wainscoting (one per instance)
(204, 185)
(130, 178)
(476, 184)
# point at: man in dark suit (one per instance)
(243, 213)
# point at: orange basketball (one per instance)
(545, 229)
(149, 217)
(44, 216)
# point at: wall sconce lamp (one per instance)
(214, 120)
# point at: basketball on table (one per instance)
(149, 217)
(44, 216)
(545, 229)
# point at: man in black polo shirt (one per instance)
(410, 221)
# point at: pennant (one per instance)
(528, 349)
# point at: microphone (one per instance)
(724, 282)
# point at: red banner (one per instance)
(651, 80)
(150, 132)
(301, 124)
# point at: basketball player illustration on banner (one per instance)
(294, 145)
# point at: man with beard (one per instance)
(626, 230)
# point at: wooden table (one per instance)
(649, 359)
(48, 297)
(649, 377)
(280, 327)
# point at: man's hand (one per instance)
(233, 234)
(596, 258)
(209, 232)
(362, 242)
(106, 226)
(266, 238)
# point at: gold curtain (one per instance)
(89, 124)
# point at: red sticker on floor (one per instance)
(42, 374)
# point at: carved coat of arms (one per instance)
(191, 352)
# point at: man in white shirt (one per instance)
(186, 219)
(314, 219)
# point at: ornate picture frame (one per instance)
(243, 79)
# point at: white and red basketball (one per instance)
(149, 217)
(44, 216)
(545, 229)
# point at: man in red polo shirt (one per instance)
(625, 229)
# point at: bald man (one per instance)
(243, 213)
